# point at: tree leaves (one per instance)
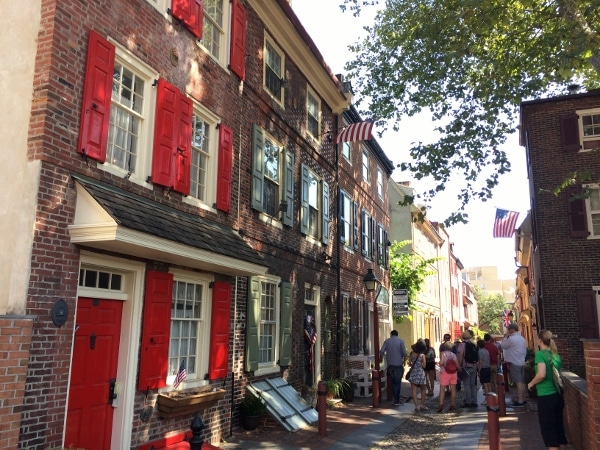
(470, 63)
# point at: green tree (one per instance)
(408, 270)
(489, 308)
(470, 63)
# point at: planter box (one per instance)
(180, 403)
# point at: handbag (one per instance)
(556, 379)
(411, 367)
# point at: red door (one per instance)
(94, 365)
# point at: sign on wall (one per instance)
(399, 302)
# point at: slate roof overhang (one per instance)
(112, 219)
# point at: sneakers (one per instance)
(451, 408)
(519, 404)
(440, 410)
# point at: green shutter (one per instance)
(325, 208)
(285, 344)
(252, 322)
(288, 188)
(258, 176)
(304, 209)
(341, 227)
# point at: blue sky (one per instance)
(333, 30)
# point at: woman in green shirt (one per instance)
(550, 402)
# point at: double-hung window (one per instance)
(368, 235)
(313, 110)
(203, 166)
(365, 165)
(590, 129)
(347, 148)
(274, 70)
(273, 177)
(380, 183)
(314, 205)
(190, 327)
(348, 221)
(129, 130)
(580, 131)
(214, 27)
(592, 206)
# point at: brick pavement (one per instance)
(358, 425)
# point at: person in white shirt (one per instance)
(514, 348)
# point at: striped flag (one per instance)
(361, 131)
(505, 222)
(181, 374)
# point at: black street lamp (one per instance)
(371, 284)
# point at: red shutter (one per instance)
(191, 13)
(238, 39)
(578, 226)
(95, 108)
(569, 127)
(165, 133)
(587, 314)
(184, 141)
(219, 330)
(224, 171)
(156, 325)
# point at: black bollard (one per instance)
(196, 427)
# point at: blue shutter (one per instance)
(372, 231)
(325, 208)
(258, 176)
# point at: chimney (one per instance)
(573, 89)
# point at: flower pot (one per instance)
(188, 401)
(249, 423)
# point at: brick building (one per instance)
(171, 201)
(558, 134)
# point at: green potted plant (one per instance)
(348, 390)
(336, 387)
(251, 409)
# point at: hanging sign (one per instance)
(399, 302)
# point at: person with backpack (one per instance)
(514, 348)
(483, 369)
(468, 357)
(550, 402)
(430, 371)
(448, 369)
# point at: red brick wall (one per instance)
(15, 341)
(566, 264)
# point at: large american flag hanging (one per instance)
(505, 222)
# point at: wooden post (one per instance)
(322, 407)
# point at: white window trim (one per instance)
(311, 93)
(316, 302)
(204, 339)
(161, 6)
(282, 55)
(582, 138)
(265, 217)
(380, 187)
(223, 57)
(588, 212)
(267, 368)
(213, 166)
(146, 141)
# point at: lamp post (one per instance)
(371, 284)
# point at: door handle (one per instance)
(112, 395)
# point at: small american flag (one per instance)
(361, 131)
(505, 222)
(181, 374)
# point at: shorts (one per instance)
(485, 375)
(446, 379)
(429, 365)
(517, 373)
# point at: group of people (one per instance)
(466, 360)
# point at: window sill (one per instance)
(187, 401)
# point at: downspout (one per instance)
(235, 291)
(338, 341)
